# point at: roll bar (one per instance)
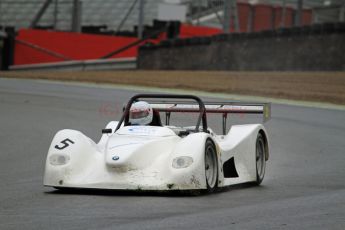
(202, 111)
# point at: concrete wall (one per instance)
(318, 47)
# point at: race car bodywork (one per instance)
(162, 157)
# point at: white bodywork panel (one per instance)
(140, 158)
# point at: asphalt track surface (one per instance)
(304, 187)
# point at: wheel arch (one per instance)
(218, 163)
(264, 135)
(216, 147)
(213, 142)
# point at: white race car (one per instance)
(163, 157)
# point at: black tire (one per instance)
(211, 166)
(260, 163)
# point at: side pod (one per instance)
(239, 153)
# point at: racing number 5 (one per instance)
(64, 144)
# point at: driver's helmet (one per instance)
(140, 113)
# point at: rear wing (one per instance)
(216, 107)
(224, 108)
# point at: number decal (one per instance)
(64, 144)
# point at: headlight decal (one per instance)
(182, 162)
(58, 159)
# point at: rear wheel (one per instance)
(260, 158)
(211, 166)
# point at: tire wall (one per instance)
(310, 48)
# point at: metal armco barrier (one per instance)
(109, 64)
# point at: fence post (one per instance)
(76, 16)
(299, 13)
(226, 21)
(234, 14)
(251, 17)
(342, 13)
(282, 23)
(141, 19)
(55, 20)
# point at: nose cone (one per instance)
(138, 152)
(121, 150)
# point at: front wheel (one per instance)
(260, 158)
(211, 166)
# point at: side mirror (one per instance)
(104, 131)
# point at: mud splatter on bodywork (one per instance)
(195, 181)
